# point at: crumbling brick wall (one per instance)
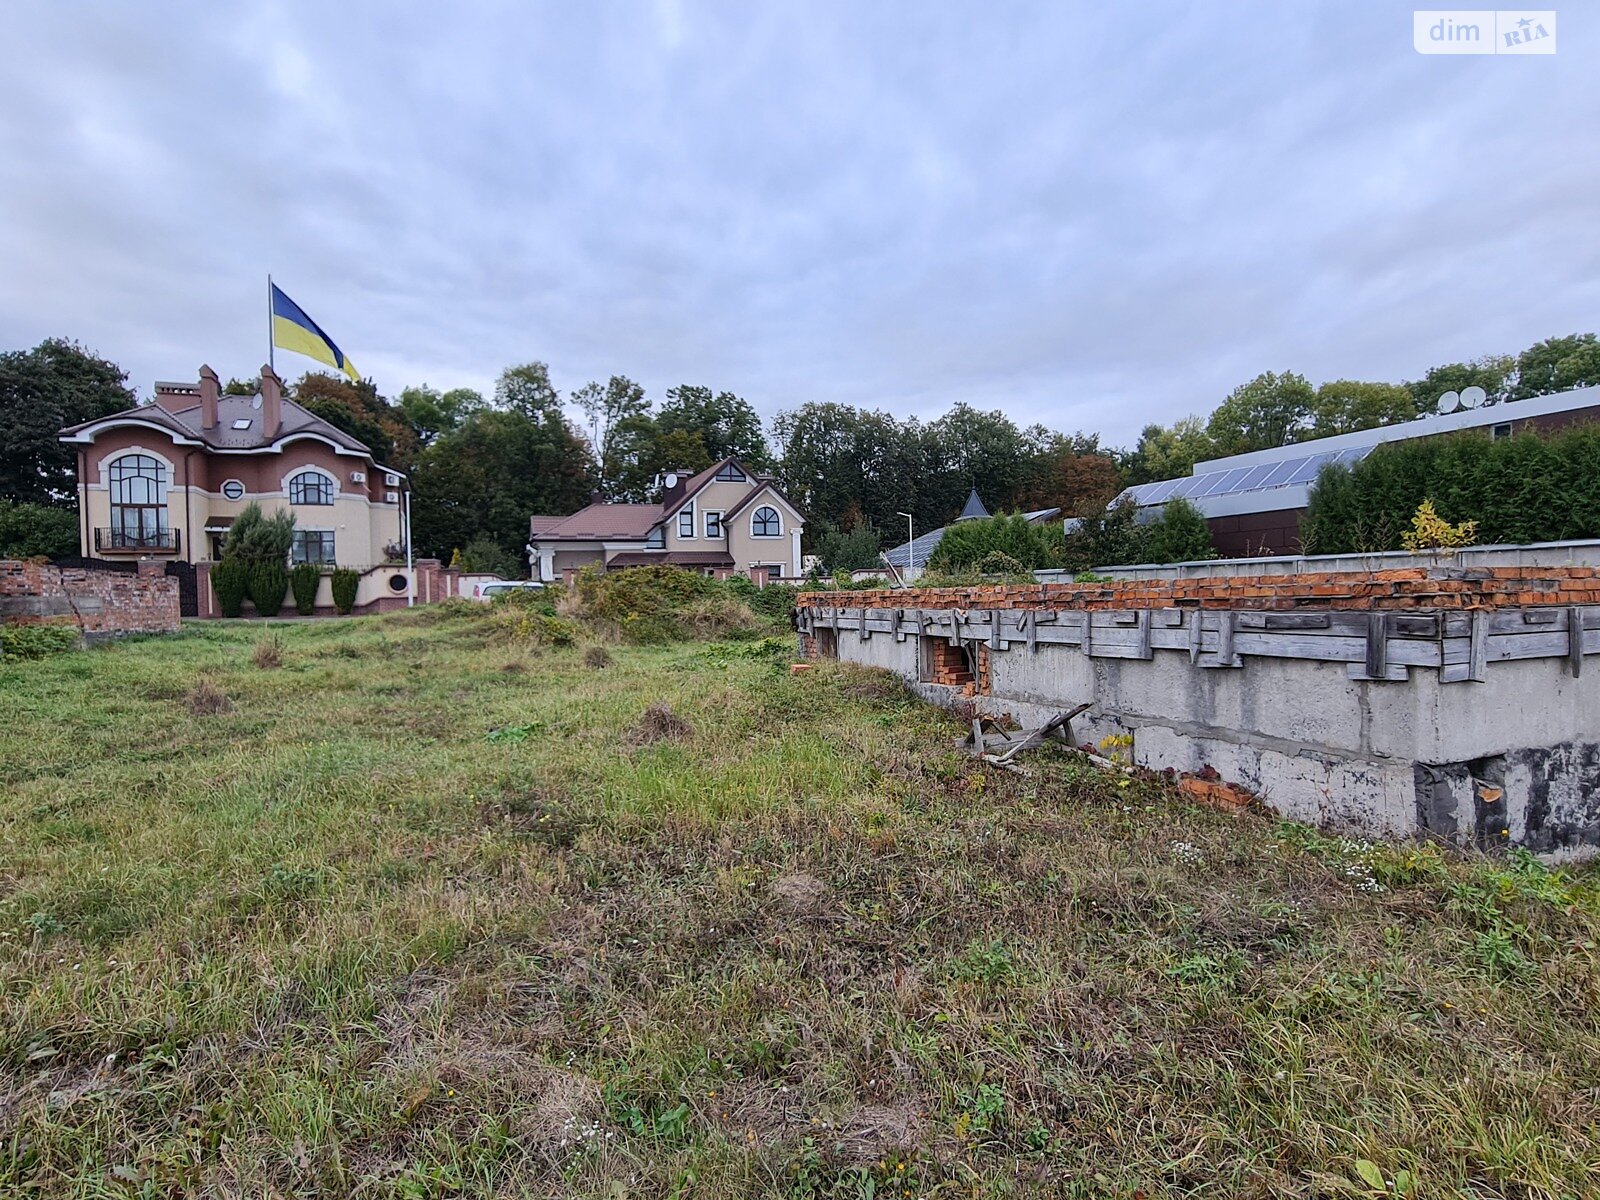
(101, 604)
(1440, 587)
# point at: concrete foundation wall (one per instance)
(1482, 727)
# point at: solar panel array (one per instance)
(1287, 472)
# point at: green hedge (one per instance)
(269, 583)
(304, 579)
(1528, 488)
(229, 581)
(346, 582)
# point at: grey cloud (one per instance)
(1090, 218)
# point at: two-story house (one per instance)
(166, 479)
(726, 520)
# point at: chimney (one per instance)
(271, 403)
(596, 496)
(174, 397)
(680, 484)
(209, 390)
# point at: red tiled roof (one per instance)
(600, 521)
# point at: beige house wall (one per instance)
(361, 526)
(736, 539)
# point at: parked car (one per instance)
(505, 586)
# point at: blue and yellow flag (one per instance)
(293, 330)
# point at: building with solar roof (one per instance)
(1254, 502)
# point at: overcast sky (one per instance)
(1093, 216)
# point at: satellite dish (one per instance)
(671, 480)
(1472, 397)
(1449, 402)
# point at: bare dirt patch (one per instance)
(800, 894)
(660, 724)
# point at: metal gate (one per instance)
(79, 563)
(188, 594)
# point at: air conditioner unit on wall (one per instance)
(391, 497)
(358, 476)
(391, 481)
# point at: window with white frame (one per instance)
(686, 521)
(765, 522)
(233, 489)
(313, 546)
(713, 524)
(310, 487)
(729, 473)
(657, 539)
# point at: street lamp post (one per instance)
(910, 537)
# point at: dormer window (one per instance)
(242, 423)
(730, 473)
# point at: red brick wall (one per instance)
(99, 603)
(1411, 587)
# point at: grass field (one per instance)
(417, 913)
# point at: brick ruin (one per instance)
(101, 604)
(1436, 699)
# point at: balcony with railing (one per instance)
(137, 541)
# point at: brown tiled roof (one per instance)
(696, 482)
(185, 422)
(761, 485)
(675, 558)
(600, 521)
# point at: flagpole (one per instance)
(272, 360)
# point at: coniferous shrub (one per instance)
(1527, 488)
(1179, 534)
(304, 579)
(967, 543)
(229, 582)
(268, 583)
(255, 537)
(1107, 538)
(345, 582)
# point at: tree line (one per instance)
(481, 465)
(1274, 409)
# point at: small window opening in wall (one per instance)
(398, 583)
(1503, 430)
(940, 662)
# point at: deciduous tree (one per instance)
(55, 384)
(1270, 410)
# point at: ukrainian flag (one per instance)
(293, 330)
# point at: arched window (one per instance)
(310, 487)
(138, 485)
(765, 522)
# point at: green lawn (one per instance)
(426, 914)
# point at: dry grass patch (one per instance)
(267, 653)
(660, 724)
(206, 699)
